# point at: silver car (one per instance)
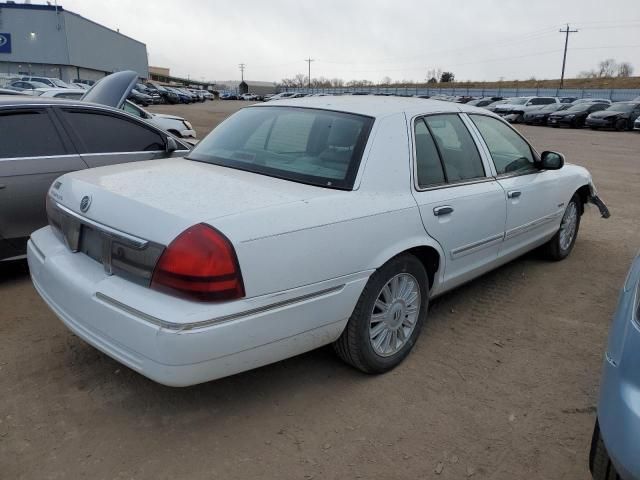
(615, 446)
(43, 138)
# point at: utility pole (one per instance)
(309, 60)
(566, 31)
(242, 66)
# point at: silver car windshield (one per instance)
(305, 145)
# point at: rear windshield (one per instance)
(318, 147)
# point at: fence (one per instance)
(613, 94)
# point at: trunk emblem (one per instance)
(85, 203)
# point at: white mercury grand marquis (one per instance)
(314, 221)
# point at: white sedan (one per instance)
(295, 225)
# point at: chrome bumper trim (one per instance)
(178, 327)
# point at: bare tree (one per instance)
(607, 68)
(386, 81)
(625, 69)
(337, 82)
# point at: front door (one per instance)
(534, 202)
(461, 205)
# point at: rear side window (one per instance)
(306, 145)
(456, 148)
(29, 134)
(103, 133)
(428, 165)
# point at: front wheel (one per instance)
(560, 246)
(388, 317)
(621, 125)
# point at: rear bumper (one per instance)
(177, 342)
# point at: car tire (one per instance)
(561, 244)
(621, 125)
(600, 464)
(402, 286)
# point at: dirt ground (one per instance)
(502, 383)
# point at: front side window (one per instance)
(510, 153)
(102, 133)
(458, 152)
(19, 140)
(317, 147)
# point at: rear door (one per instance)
(105, 137)
(34, 151)
(533, 196)
(462, 206)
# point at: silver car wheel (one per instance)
(568, 226)
(394, 314)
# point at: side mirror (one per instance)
(171, 145)
(551, 160)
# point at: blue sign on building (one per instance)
(5, 43)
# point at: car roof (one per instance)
(374, 106)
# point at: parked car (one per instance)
(620, 116)
(156, 98)
(592, 100)
(83, 86)
(492, 106)
(173, 124)
(280, 96)
(615, 451)
(167, 95)
(182, 97)
(249, 96)
(26, 86)
(70, 135)
(73, 93)
(636, 124)
(229, 96)
(575, 115)
(515, 108)
(567, 99)
(539, 116)
(7, 91)
(140, 98)
(481, 102)
(47, 81)
(188, 277)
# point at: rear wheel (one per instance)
(560, 246)
(388, 317)
(599, 461)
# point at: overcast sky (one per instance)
(372, 39)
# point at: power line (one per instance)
(309, 60)
(566, 31)
(242, 67)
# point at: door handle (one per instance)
(2, 186)
(443, 210)
(514, 194)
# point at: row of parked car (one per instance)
(144, 94)
(572, 112)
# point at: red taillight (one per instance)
(201, 264)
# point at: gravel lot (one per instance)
(502, 383)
